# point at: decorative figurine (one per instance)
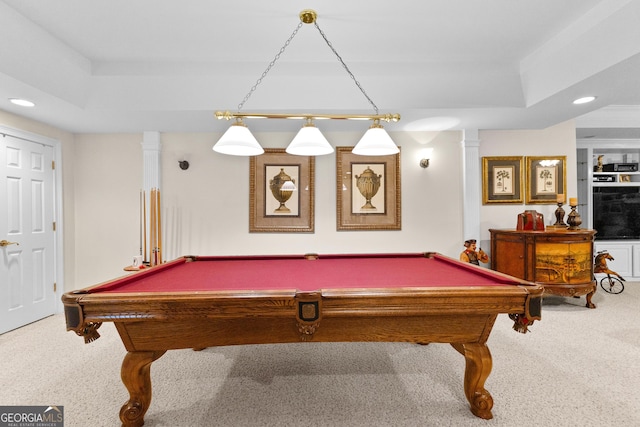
(599, 167)
(471, 255)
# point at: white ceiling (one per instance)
(164, 65)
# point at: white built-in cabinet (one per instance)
(600, 208)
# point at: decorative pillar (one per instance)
(471, 184)
(150, 236)
(151, 147)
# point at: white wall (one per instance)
(108, 178)
(559, 140)
(209, 203)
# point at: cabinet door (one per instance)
(580, 266)
(509, 257)
(563, 262)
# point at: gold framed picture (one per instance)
(546, 178)
(502, 180)
(368, 191)
(281, 192)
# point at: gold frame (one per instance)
(545, 190)
(262, 218)
(386, 213)
(494, 187)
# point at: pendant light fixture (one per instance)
(238, 139)
(309, 141)
(375, 142)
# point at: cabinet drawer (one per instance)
(564, 239)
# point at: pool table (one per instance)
(204, 301)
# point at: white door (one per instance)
(27, 256)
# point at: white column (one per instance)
(151, 178)
(471, 184)
(151, 148)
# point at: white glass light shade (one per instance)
(238, 141)
(309, 141)
(288, 186)
(375, 142)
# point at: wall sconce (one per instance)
(426, 156)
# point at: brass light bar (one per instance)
(381, 117)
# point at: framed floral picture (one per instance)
(502, 180)
(368, 191)
(546, 178)
(281, 192)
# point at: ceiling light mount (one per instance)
(308, 16)
(375, 142)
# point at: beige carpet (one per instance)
(578, 367)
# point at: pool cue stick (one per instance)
(140, 220)
(152, 231)
(144, 218)
(155, 226)
(159, 232)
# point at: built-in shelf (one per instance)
(616, 178)
(605, 198)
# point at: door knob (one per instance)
(4, 243)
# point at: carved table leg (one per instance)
(136, 376)
(589, 303)
(478, 367)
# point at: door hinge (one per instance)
(54, 226)
(53, 164)
(55, 286)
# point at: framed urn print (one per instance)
(546, 178)
(281, 192)
(368, 191)
(502, 180)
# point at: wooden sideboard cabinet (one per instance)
(560, 260)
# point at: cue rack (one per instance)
(151, 255)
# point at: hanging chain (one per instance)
(286, 44)
(271, 64)
(345, 67)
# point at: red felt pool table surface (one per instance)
(295, 272)
(198, 302)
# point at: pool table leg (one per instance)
(136, 376)
(478, 367)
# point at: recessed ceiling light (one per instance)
(22, 102)
(584, 100)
